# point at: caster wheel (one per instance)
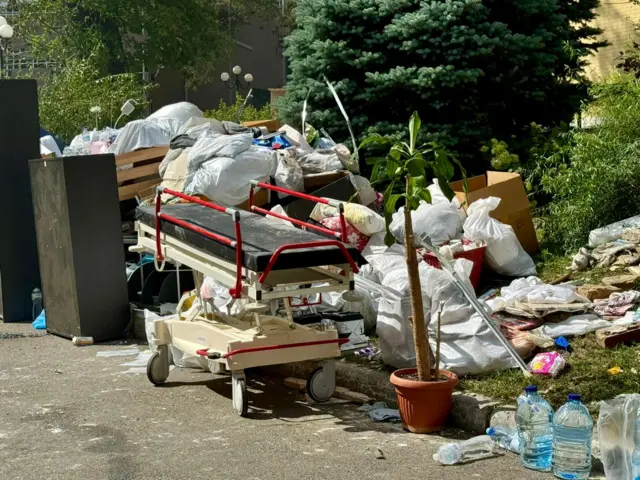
(157, 369)
(321, 385)
(239, 396)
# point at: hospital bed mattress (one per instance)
(261, 237)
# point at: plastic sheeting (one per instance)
(616, 435)
(612, 232)
(144, 134)
(504, 253)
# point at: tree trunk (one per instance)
(423, 357)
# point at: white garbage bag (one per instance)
(212, 145)
(227, 180)
(440, 222)
(504, 253)
(615, 435)
(181, 110)
(467, 346)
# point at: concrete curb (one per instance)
(469, 412)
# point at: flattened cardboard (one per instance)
(514, 208)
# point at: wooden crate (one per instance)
(144, 173)
(271, 125)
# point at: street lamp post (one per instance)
(235, 82)
(6, 32)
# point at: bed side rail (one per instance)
(342, 235)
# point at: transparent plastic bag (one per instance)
(615, 435)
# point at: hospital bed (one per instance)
(260, 260)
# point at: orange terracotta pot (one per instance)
(424, 406)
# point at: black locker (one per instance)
(80, 246)
(19, 142)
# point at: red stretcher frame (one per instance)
(236, 291)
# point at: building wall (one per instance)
(616, 18)
(258, 51)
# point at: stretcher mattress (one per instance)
(261, 237)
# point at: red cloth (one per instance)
(354, 237)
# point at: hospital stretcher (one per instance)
(259, 259)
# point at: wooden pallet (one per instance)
(144, 173)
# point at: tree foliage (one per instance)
(474, 69)
(190, 37)
(229, 112)
(67, 97)
(596, 182)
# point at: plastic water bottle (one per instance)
(36, 303)
(572, 432)
(476, 447)
(535, 430)
(507, 438)
(635, 458)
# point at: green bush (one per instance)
(473, 69)
(229, 112)
(600, 181)
(67, 96)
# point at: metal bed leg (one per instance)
(178, 281)
(287, 307)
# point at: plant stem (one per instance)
(437, 366)
(423, 359)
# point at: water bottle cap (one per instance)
(531, 389)
(574, 397)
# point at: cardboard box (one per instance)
(514, 208)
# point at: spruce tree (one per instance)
(473, 69)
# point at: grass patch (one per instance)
(550, 267)
(586, 374)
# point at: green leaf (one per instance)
(425, 195)
(376, 138)
(443, 183)
(375, 160)
(463, 171)
(414, 129)
(444, 165)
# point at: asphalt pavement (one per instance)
(67, 414)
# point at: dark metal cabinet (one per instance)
(82, 263)
(19, 142)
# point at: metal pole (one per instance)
(1, 59)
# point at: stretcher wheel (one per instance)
(321, 384)
(239, 395)
(158, 368)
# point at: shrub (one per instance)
(67, 96)
(474, 69)
(229, 112)
(600, 182)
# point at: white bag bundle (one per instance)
(504, 253)
(440, 222)
(228, 180)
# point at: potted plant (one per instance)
(424, 393)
